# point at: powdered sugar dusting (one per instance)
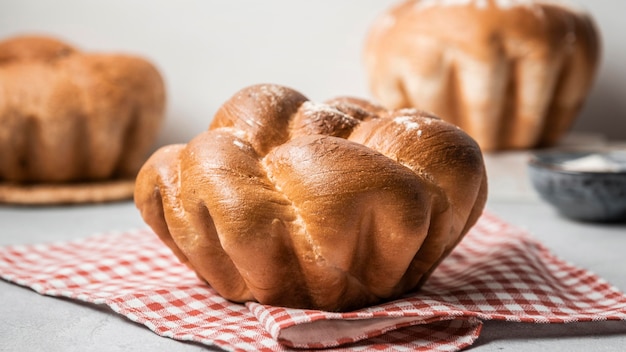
(267, 97)
(408, 111)
(408, 123)
(239, 144)
(273, 90)
(611, 162)
(237, 133)
(240, 138)
(309, 108)
(424, 4)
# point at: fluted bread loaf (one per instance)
(67, 116)
(512, 73)
(330, 206)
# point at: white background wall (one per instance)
(208, 49)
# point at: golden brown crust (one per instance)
(73, 117)
(513, 74)
(340, 206)
(33, 48)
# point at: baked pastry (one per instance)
(71, 121)
(513, 74)
(330, 206)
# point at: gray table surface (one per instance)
(30, 322)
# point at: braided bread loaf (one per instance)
(329, 206)
(513, 74)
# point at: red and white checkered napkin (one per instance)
(497, 272)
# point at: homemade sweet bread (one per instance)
(69, 117)
(513, 74)
(330, 206)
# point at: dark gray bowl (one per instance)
(594, 194)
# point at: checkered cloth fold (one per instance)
(498, 272)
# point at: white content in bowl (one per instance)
(609, 162)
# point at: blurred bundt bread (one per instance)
(68, 116)
(513, 74)
(332, 206)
